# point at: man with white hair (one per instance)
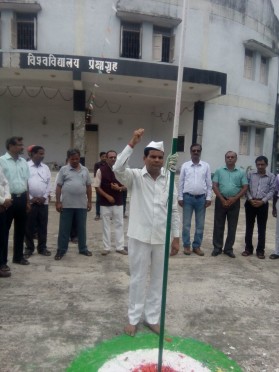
(148, 188)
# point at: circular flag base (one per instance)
(140, 354)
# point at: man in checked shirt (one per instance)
(260, 191)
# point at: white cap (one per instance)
(156, 145)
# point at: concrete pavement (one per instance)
(51, 310)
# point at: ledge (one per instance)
(20, 6)
(254, 123)
(156, 19)
(263, 49)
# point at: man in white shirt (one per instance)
(194, 195)
(5, 203)
(39, 185)
(148, 188)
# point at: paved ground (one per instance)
(51, 310)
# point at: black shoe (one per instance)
(215, 253)
(23, 261)
(5, 274)
(5, 268)
(45, 252)
(86, 253)
(274, 256)
(230, 254)
(27, 253)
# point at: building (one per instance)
(86, 73)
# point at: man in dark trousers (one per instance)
(16, 171)
(5, 203)
(39, 185)
(73, 198)
(260, 190)
(229, 184)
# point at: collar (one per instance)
(267, 173)
(8, 156)
(235, 169)
(194, 164)
(144, 172)
(32, 164)
(74, 169)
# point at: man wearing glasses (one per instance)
(229, 184)
(194, 195)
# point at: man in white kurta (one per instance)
(148, 188)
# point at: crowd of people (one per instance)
(25, 192)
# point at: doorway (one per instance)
(91, 145)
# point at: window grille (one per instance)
(131, 40)
(26, 31)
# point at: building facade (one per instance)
(86, 73)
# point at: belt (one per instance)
(18, 195)
(195, 196)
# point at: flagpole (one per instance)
(171, 186)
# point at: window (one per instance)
(249, 64)
(24, 30)
(163, 44)
(180, 143)
(130, 40)
(259, 135)
(264, 71)
(244, 140)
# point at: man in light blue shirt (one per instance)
(16, 171)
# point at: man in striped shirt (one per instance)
(260, 191)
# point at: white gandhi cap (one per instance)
(156, 145)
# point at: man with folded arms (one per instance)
(148, 188)
(194, 195)
(16, 171)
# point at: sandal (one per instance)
(58, 256)
(174, 251)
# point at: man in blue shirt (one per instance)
(16, 171)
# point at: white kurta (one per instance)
(148, 201)
(146, 230)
